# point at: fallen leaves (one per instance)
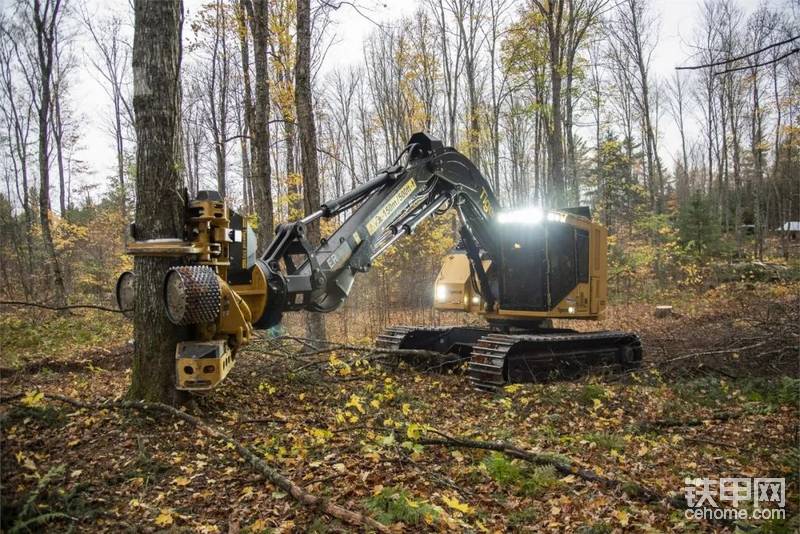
(164, 518)
(457, 505)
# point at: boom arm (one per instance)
(391, 205)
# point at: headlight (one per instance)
(126, 292)
(441, 292)
(476, 299)
(526, 216)
(192, 295)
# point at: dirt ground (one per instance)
(717, 396)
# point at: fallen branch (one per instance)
(710, 352)
(116, 359)
(61, 308)
(565, 467)
(299, 494)
(668, 423)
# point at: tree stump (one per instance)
(663, 311)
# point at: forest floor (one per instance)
(717, 396)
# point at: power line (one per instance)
(765, 63)
(744, 56)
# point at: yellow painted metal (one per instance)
(208, 224)
(254, 293)
(202, 373)
(454, 289)
(585, 301)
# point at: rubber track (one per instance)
(540, 353)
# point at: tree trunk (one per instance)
(260, 165)
(315, 325)
(45, 23)
(159, 201)
(58, 135)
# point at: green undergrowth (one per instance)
(27, 336)
(392, 505)
(753, 394)
(530, 481)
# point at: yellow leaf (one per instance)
(375, 403)
(555, 510)
(455, 504)
(164, 519)
(355, 402)
(406, 409)
(597, 403)
(258, 525)
(33, 399)
(622, 516)
(512, 388)
(181, 481)
(414, 431)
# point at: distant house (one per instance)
(792, 228)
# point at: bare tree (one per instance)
(630, 29)
(45, 19)
(113, 68)
(18, 110)
(677, 93)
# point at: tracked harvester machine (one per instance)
(519, 269)
(543, 265)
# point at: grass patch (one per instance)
(502, 470)
(26, 335)
(767, 392)
(394, 505)
(539, 479)
(591, 392)
(47, 503)
(532, 482)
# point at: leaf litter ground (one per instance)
(717, 397)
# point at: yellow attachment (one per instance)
(453, 289)
(235, 320)
(254, 293)
(202, 365)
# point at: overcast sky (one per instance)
(677, 19)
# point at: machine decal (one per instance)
(486, 205)
(386, 211)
